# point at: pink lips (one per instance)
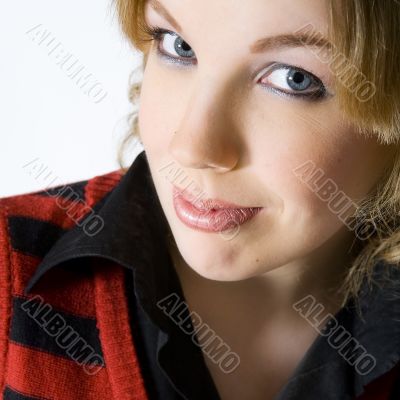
(210, 215)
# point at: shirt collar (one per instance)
(328, 370)
(134, 234)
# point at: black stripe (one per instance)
(10, 394)
(78, 188)
(32, 236)
(31, 327)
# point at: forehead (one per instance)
(246, 21)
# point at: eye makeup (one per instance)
(296, 77)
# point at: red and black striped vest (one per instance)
(97, 362)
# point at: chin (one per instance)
(220, 274)
(225, 269)
(216, 273)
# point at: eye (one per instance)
(281, 78)
(294, 81)
(171, 46)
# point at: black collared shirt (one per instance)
(134, 235)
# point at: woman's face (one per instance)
(245, 118)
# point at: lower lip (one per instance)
(211, 220)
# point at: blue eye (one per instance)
(282, 79)
(294, 81)
(171, 46)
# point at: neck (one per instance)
(319, 275)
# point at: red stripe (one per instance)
(40, 374)
(63, 289)
(100, 185)
(115, 332)
(45, 208)
(381, 388)
(42, 208)
(24, 266)
(5, 295)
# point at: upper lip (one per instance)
(206, 204)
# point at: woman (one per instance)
(260, 222)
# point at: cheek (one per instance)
(157, 109)
(153, 124)
(340, 159)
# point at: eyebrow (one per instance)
(160, 9)
(264, 44)
(290, 40)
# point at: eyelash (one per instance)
(156, 33)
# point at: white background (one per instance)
(45, 115)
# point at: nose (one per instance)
(207, 136)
